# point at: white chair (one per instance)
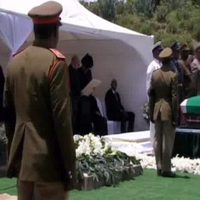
(114, 127)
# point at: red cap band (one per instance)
(53, 20)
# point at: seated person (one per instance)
(115, 111)
(89, 117)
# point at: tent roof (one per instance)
(118, 52)
(78, 22)
(73, 13)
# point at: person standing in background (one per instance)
(75, 91)
(74, 76)
(38, 125)
(163, 112)
(185, 53)
(85, 74)
(195, 66)
(178, 68)
(154, 65)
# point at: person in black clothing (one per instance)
(85, 74)
(99, 122)
(115, 111)
(75, 88)
(89, 117)
(74, 76)
(2, 81)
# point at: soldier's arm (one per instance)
(174, 92)
(151, 94)
(61, 109)
(9, 114)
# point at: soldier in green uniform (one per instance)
(38, 122)
(163, 111)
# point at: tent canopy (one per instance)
(117, 52)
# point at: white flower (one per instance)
(77, 138)
(83, 148)
(91, 145)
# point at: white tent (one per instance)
(117, 52)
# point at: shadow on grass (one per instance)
(177, 176)
(182, 176)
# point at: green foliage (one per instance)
(129, 21)
(130, 6)
(144, 7)
(169, 21)
(107, 9)
(196, 2)
(196, 32)
(162, 12)
(109, 169)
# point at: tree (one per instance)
(107, 9)
(172, 20)
(145, 7)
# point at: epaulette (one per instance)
(57, 53)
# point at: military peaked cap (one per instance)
(166, 53)
(46, 13)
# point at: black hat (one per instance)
(46, 13)
(87, 61)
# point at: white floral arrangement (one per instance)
(180, 164)
(91, 145)
(97, 158)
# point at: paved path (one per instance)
(7, 197)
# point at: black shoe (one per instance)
(169, 174)
(159, 172)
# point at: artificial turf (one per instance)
(145, 187)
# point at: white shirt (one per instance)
(154, 65)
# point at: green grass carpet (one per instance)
(145, 187)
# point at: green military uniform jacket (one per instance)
(163, 95)
(38, 122)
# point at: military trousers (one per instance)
(163, 144)
(28, 190)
